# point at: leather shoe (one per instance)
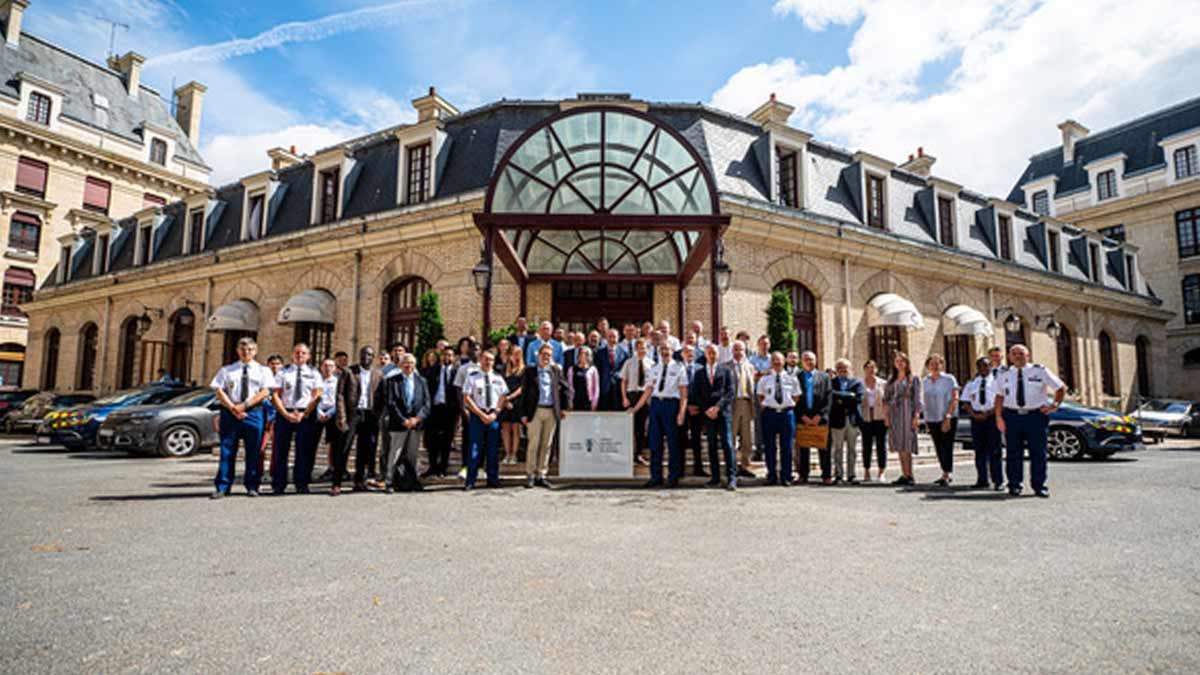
(712, 482)
(251, 493)
(673, 483)
(980, 484)
(998, 487)
(530, 482)
(652, 484)
(785, 483)
(495, 484)
(335, 491)
(1015, 492)
(217, 494)
(732, 487)
(743, 472)
(771, 480)
(360, 487)
(388, 490)
(699, 473)
(1043, 493)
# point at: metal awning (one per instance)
(965, 320)
(889, 309)
(236, 315)
(311, 306)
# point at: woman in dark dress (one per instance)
(510, 417)
(584, 381)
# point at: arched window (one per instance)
(12, 363)
(402, 311)
(128, 353)
(183, 328)
(1066, 357)
(88, 338)
(1108, 379)
(1191, 359)
(50, 359)
(1142, 347)
(804, 314)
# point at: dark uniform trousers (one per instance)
(989, 454)
(285, 433)
(689, 437)
(1026, 431)
(249, 431)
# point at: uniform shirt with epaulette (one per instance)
(486, 389)
(778, 390)
(980, 393)
(664, 379)
(293, 396)
(242, 381)
(1037, 382)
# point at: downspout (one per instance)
(849, 346)
(102, 348)
(355, 303)
(1088, 346)
(204, 337)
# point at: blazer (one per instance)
(845, 398)
(530, 389)
(453, 395)
(820, 395)
(347, 392)
(606, 371)
(593, 385)
(719, 393)
(875, 413)
(520, 340)
(391, 399)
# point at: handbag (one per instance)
(811, 436)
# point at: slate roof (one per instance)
(734, 148)
(1137, 138)
(80, 80)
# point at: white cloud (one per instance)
(1019, 69)
(235, 155)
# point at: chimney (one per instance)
(130, 67)
(188, 101)
(773, 110)
(433, 107)
(282, 159)
(11, 12)
(921, 164)
(1072, 132)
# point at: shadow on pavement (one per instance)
(151, 497)
(970, 496)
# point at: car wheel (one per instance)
(1063, 443)
(178, 441)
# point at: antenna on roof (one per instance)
(113, 25)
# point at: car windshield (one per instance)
(1160, 405)
(122, 397)
(193, 397)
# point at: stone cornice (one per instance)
(9, 198)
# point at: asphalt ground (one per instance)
(116, 564)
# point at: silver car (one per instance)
(175, 428)
(1162, 417)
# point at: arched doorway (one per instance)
(804, 314)
(88, 340)
(12, 364)
(1065, 349)
(50, 346)
(1108, 379)
(402, 311)
(183, 330)
(128, 353)
(1142, 347)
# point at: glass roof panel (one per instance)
(591, 251)
(576, 265)
(659, 260)
(567, 200)
(564, 239)
(518, 193)
(543, 260)
(624, 137)
(581, 135)
(613, 250)
(626, 265)
(640, 240)
(637, 201)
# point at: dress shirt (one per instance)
(743, 379)
(666, 385)
(486, 389)
(980, 386)
(629, 373)
(760, 362)
(535, 345)
(439, 394)
(778, 390)
(285, 382)
(328, 404)
(937, 396)
(229, 378)
(724, 353)
(464, 372)
(1039, 383)
(364, 387)
(546, 387)
(806, 377)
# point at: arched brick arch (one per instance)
(1184, 346)
(883, 281)
(408, 263)
(957, 295)
(323, 278)
(242, 288)
(793, 267)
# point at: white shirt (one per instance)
(285, 382)
(788, 385)
(629, 373)
(724, 353)
(328, 404)
(970, 393)
(674, 343)
(1040, 385)
(439, 389)
(364, 388)
(465, 371)
(476, 388)
(229, 378)
(676, 377)
(743, 379)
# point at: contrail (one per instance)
(306, 31)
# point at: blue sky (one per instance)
(967, 80)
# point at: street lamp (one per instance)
(1012, 322)
(144, 322)
(482, 274)
(1053, 328)
(722, 273)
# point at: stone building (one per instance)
(80, 144)
(601, 205)
(1138, 182)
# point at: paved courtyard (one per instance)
(119, 564)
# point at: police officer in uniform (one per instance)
(484, 395)
(241, 387)
(297, 391)
(666, 393)
(979, 399)
(1023, 393)
(777, 393)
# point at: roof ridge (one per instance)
(86, 61)
(1151, 116)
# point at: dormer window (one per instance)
(329, 195)
(158, 151)
(1114, 232)
(1185, 162)
(1053, 239)
(1130, 271)
(1106, 185)
(946, 221)
(145, 238)
(1041, 203)
(785, 164)
(195, 238)
(257, 224)
(39, 109)
(64, 263)
(1005, 236)
(101, 254)
(417, 190)
(875, 202)
(1094, 262)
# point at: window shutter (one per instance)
(95, 194)
(31, 176)
(152, 200)
(19, 277)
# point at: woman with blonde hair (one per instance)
(903, 399)
(510, 417)
(584, 381)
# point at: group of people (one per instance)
(684, 394)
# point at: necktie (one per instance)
(662, 378)
(779, 388)
(612, 358)
(1020, 387)
(710, 376)
(742, 380)
(296, 389)
(641, 373)
(487, 391)
(982, 388)
(245, 393)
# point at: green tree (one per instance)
(430, 327)
(780, 327)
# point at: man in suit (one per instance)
(711, 392)
(405, 398)
(812, 409)
(693, 426)
(604, 357)
(544, 399)
(521, 335)
(356, 419)
(443, 413)
(845, 416)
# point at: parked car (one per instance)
(12, 400)
(175, 428)
(1162, 417)
(76, 427)
(26, 418)
(1077, 430)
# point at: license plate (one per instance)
(43, 439)
(106, 433)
